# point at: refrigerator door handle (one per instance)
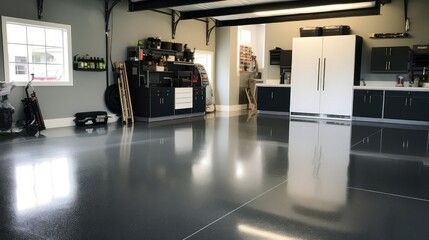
(324, 73)
(318, 76)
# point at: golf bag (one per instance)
(33, 115)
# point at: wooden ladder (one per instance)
(124, 94)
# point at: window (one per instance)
(205, 58)
(39, 48)
(245, 37)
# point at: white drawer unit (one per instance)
(183, 98)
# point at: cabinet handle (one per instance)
(390, 52)
(324, 73)
(370, 99)
(318, 75)
(407, 144)
(364, 99)
(411, 102)
(406, 101)
(389, 65)
(272, 95)
(386, 65)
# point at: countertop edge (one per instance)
(273, 85)
(405, 89)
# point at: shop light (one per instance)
(317, 9)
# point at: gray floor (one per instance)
(223, 177)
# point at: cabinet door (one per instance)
(399, 59)
(338, 72)
(379, 59)
(265, 96)
(281, 101)
(199, 103)
(396, 105)
(305, 76)
(419, 106)
(359, 103)
(375, 104)
(167, 102)
(156, 109)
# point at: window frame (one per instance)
(211, 55)
(67, 65)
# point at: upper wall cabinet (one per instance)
(390, 59)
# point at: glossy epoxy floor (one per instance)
(226, 177)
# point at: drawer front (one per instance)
(185, 105)
(183, 90)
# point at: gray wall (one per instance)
(390, 20)
(87, 21)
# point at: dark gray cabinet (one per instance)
(390, 59)
(407, 105)
(199, 100)
(161, 102)
(396, 105)
(274, 99)
(368, 103)
(419, 106)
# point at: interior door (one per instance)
(337, 79)
(305, 76)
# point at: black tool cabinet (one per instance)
(391, 59)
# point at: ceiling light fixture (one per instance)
(317, 9)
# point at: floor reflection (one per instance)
(42, 183)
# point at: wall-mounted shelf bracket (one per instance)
(175, 19)
(209, 29)
(39, 9)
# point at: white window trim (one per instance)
(212, 56)
(5, 19)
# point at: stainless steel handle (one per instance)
(390, 52)
(370, 99)
(272, 95)
(386, 65)
(411, 102)
(389, 65)
(318, 75)
(406, 101)
(364, 99)
(324, 73)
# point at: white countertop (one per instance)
(272, 85)
(414, 89)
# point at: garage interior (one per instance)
(216, 119)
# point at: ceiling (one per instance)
(242, 12)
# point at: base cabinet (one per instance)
(398, 105)
(407, 106)
(161, 102)
(273, 99)
(368, 103)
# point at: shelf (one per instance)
(88, 70)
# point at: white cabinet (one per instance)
(323, 74)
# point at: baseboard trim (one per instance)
(68, 122)
(231, 108)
